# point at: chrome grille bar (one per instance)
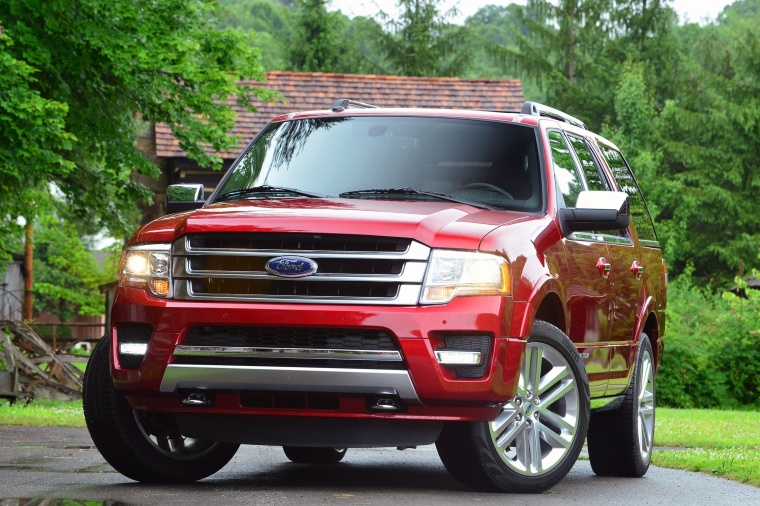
(413, 272)
(388, 271)
(296, 353)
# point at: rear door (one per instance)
(633, 265)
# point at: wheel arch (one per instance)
(545, 304)
(652, 329)
(551, 310)
(650, 325)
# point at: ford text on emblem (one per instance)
(291, 267)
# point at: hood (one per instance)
(436, 224)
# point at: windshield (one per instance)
(395, 158)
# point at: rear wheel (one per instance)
(141, 445)
(536, 439)
(311, 455)
(620, 440)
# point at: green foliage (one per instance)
(740, 463)
(422, 43)
(303, 36)
(32, 137)
(574, 50)
(721, 443)
(66, 273)
(313, 47)
(635, 132)
(712, 348)
(76, 76)
(710, 141)
(707, 428)
(270, 24)
(42, 413)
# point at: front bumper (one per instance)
(426, 388)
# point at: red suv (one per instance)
(487, 282)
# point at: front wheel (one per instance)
(314, 455)
(536, 439)
(143, 446)
(620, 440)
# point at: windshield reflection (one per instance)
(490, 163)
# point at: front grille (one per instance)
(290, 337)
(277, 288)
(351, 269)
(297, 242)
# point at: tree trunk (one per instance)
(28, 266)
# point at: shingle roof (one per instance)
(305, 91)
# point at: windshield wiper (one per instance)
(266, 191)
(412, 191)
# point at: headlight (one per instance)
(454, 273)
(147, 266)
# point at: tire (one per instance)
(620, 440)
(314, 455)
(143, 446)
(536, 439)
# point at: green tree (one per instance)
(66, 273)
(422, 43)
(498, 25)
(77, 75)
(710, 141)
(359, 52)
(573, 49)
(304, 36)
(271, 23)
(313, 47)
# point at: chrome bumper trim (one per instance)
(295, 353)
(289, 379)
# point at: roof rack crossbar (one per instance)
(536, 109)
(345, 103)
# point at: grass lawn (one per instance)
(722, 443)
(42, 413)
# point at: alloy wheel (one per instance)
(536, 429)
(645, 420)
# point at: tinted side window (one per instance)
(565, 172)
(624, 177)
(594, 179)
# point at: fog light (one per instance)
(133, 348)
(457, 357)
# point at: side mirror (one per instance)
(596, 210)
(184, 197)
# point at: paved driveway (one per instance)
(63, 463)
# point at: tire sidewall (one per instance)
(114, 430)
(645, 346)
(502, 475)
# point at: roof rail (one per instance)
(536, 109)
(345, 103)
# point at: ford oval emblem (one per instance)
(291, 267)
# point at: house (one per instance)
(303, 91)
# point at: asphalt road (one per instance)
(63, 463)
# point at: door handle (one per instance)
(604, 267)
(637, 269)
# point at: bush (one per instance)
(712, 349)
